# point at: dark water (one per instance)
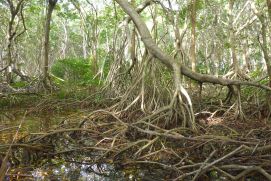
(58, 168)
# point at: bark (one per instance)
(90, 38)
(265, 48)
(268, 3)
(95, 42)
(142, 7)
(14, 11)
(84, 29)
(246, 56)
(51, 6)
(3, 69)
(235, 64)
(65, 40)
(264, 44)
(193, 35)
(84, 43)
(179, 40)
(168, 60)
(133, 44)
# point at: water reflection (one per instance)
(83, 172)
(54, 169)
(9, 121)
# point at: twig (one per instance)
(4, 165)
(203, 165)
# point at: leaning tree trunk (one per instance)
(169, 61)
(175, 66)
(51, 6)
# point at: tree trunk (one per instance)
(14, 10)
(268, 3)
(235, 64)
(84, 43)
(94, 42)
(65, 40)
(265, 48)
(246, 56)
(51, 6)
(193, 35)
(264, 44)
(169, 61)
(133, 44)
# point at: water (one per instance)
(75, 167)
(52, 169)
(74, 172)
(10, 120)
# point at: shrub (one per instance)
(77, 71)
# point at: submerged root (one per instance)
(186, 154)
(110, 137)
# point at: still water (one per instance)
(57, 168)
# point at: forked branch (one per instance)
(169, 61)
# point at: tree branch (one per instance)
(169, 61)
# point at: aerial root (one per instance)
(181, 152)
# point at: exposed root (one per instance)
(180, 152)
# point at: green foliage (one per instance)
(20, 84)
(14, 101)
(252, 91)
(71, 91)
(260, 2)
(65, 11)
(182, 15)
(201, 67)
(77, 71)
(213, 174)
(227, 45)
(200, 5)
(255, 74)
(34, 9)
